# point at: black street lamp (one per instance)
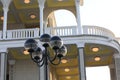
(42, 57)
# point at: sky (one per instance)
(98, 73)
(102, 13)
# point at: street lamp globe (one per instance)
(56, 42)
(62, 51)
(30, 45)
(45, 39)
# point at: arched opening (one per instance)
(61, 18)
(61, 22)
(65, 18)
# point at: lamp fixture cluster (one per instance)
(40, 56)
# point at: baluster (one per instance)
(28, 33)
(15, 34)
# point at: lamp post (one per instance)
(42, 57)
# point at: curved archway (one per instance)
(62, 17)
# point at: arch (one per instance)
(61, 17)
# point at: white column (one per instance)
(42, 73)
(6, 4)
(81, 61)
(77, 4)
(3, 65)
(117, 65)
(41, 7)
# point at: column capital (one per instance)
(80, 45)
(3, 50)
(41, 3)
(77, 1)
(6, 3)
(116, 55)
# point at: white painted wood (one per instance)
(77, 4)
(41, 8)
(3, 65)
(81, 61)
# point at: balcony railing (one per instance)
(95, 30)
(60, 31)
(90, 30)
(23, 33)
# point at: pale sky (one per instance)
(98, 73)
(102, 13)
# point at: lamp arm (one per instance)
(52, 62)
(53, 59)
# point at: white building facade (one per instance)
(80, 40)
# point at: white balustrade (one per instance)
(95, 30)
(62, 31)
(22, 33)
(89, 30)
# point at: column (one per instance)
(112, 72)
(11, 69)
(41, 7)
(79, 27)
(6, 4)
(42, 73)
(117, 65)
(3, 65)
(81, 61)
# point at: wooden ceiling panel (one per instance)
(105, 60)
(103, 49)
(25, 15)
(19, 4)
(57, 3)
(70, 63)
(17, 53)
(73, 71)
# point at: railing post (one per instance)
(36, 32)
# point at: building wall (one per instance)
(25, 70)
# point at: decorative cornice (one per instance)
(6, 3)
(41, 3)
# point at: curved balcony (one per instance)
(72, 30)
(60, 31)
